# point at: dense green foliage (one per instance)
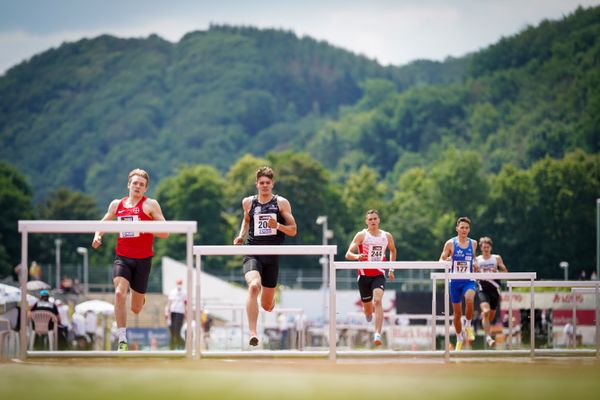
(509, 136)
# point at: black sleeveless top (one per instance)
(259, 233)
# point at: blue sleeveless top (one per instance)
(462, 258)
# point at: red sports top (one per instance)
(374, 248)
(131, 244)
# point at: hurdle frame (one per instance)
(555, 284)
(242, 250)
(595, 291)
(399, 265)
(25, 227)
(518, 276)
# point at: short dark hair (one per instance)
(463, 219)
(373, 211)
(264, 171)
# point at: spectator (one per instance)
(35, 271)
(175, 314)
(44, 304)
(91, 325)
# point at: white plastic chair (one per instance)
(41, 319)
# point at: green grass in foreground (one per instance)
(300, 379)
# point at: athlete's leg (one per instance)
(457, 313)
(377, 305)
(469, 300)
(368, 309)
(485, 317)
(137, 301)
(121, 289)
(267, 298)
(254, 285)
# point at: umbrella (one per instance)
(11, 294)
(95, 306)
(37, 285)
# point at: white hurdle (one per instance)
(530, 276)
(400, 265)
(533, 284)
(588, 290)
(43, 226)
(232, 250)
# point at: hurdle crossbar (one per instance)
(26, 227)
(399, 265)
(530, 276)
(240, 250)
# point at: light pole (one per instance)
(84, 252)
(565, 265)
(57, 243)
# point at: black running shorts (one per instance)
(267, 267)
(135, 270)
(366, 285)
(489, 296)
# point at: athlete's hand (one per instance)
(272, 223)
(391, 275)
(238, 240)
(362, 257)
(97, 242)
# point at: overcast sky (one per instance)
(393, 32)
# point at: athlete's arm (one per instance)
(285, 208)
(350, 254)
(392, 248)
(157, 215)
(111, 213)
(447, 251)
(501, 265)
(239, 239)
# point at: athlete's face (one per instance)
(463, 229)
(264, 185)
(372, 221)
(137, 186)
(486, 249)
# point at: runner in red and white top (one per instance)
(372, 244)
(134, 250)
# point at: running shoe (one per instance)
(490, 342)
(369, 317)
(377, 339)
(123, 346)
(253, 341)
(459, 344)
(470, 333)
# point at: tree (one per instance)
(195, 193)
(68, 205)
(15, 204)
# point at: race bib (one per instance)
(261, 225)
(375, 253)
(461, 267)
(126, 235)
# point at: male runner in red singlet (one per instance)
(267, 220)
(372, 244)
(134, 250)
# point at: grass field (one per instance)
(130, 379)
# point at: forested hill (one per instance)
(84, 114)
(530, 95)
